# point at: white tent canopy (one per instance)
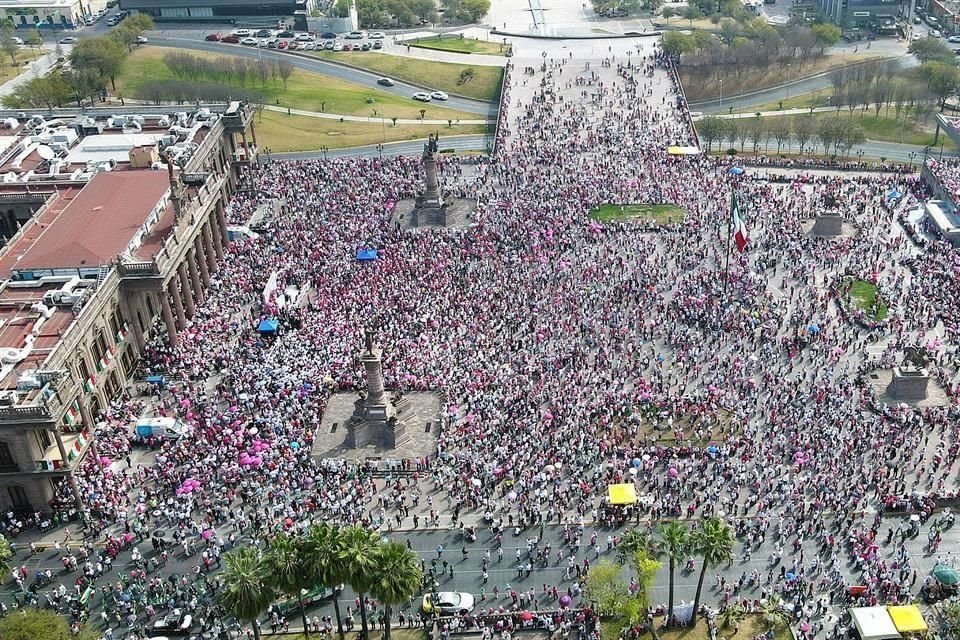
(874, 623)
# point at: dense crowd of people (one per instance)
(570, 354)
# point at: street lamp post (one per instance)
(926, 150)
(721, 94)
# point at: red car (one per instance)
(232, 39)
(214, 37)
(347, 46)
(282, 44)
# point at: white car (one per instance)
(338, 46)
(249, 41)
(68, 40)
(355, 35)
(422, 96)
(953, 39)
(305, 37)
(438, 95)
(242, 32)
(142, 40)
(448, 603)
(377, 35)
(308, 46)
(17, 40)
(934, 33)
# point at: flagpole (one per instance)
(726, 267)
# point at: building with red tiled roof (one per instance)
(102, 238)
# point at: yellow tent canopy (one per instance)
(622, 494)
(907, 618)
(674, 150)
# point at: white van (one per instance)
(160, 427)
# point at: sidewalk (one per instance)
(35, 69)
(397, 47)
(387, 121)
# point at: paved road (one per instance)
(871, 150)
(316, 65)
(405, 148)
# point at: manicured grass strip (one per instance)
(280, 132)
(304, 90)
(484, 83)
(658, 213)
(457, 44)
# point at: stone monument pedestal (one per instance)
(378, 417)
(430, 209)
(827, 225)
(908, 383)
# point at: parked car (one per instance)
(365, 46)
(377, 44)
(422, 96)
(242, 33)
(347, 46)
(272, 44)
(305, 37)
(953, 39)
(232, 39)
(386, 82)
(293, 45)
(377, 35)
(448, 602)
(328, 35)
(285, 34)
(934, 33)
(355, 35)
(439, 95)
(68, 40)
(249, 41)
(175, 621)
(17, 40)
(264, 33)
(282, 44)
(338, 46)
(142, 40)
(213, 37)
(113, 21)
(328, 45)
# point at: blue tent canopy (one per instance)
(736, 171)
(366, 255)
(155, 379)
(268, 325)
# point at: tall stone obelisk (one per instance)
(376, 416)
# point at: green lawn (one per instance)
(308, 91)
(280, 132)
(445, 76)
(658, 213)
(864, 295)
(457, 44)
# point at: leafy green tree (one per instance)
(668, 12)
(398, 578)
(8, 45)
(928, 49)
(359, 554)
(646, 569)
(942, 79)
(323, 550)
(673, 542)
(287, 571)
(773, 612)
(246, 594)
(728, 31)
(33, 624)
(474, 9)
(690, 13)
(827, 34)
(104, 55)
(803, 129)
(730, 615)
(48, 92)
(676, 43)
(711, 129)
(130, 29)
(34, 40)
(605, 588)
(634, 540)
(5, 554)
(714, 542)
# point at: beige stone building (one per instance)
(111, 222)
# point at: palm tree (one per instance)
(286, 571)
(359, 553)
(637, 539)
(673, 541)
(773, 612)
(730, 615)
(714, 542)
(323, 559)
(399, 577)
(245, 594)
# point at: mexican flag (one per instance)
(73, 413)
(121, 334)
(740, 235)
(89, 384)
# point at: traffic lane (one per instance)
(316, 65)
(390, 149)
